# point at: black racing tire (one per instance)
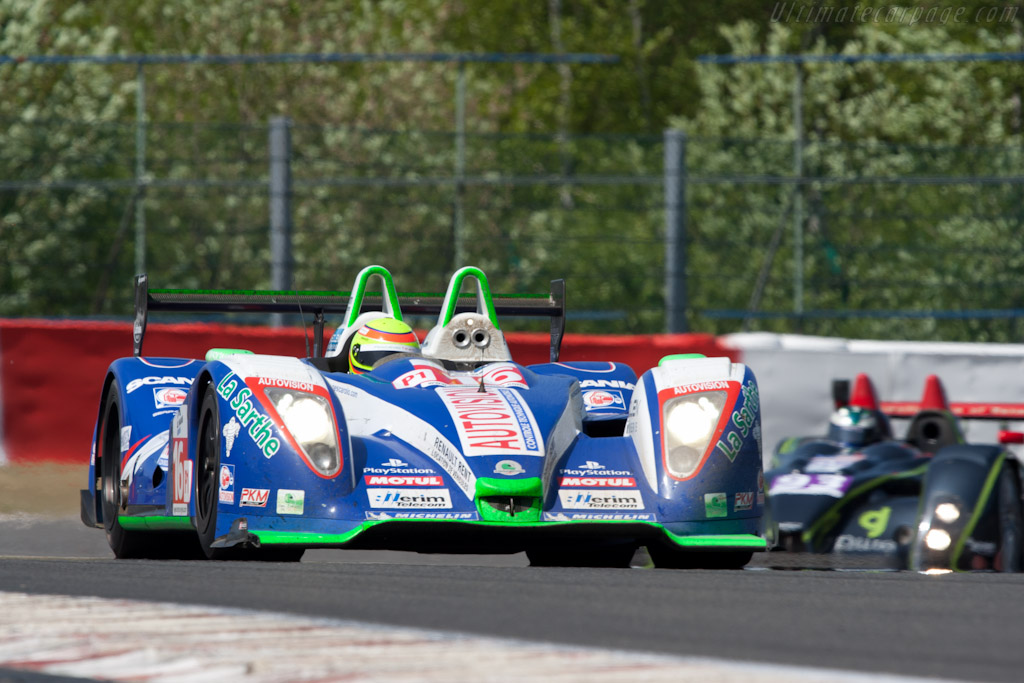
(207, 493)
(207, 483)
(1008, 557)
(125, 544)
(610, 556)
(666, 557)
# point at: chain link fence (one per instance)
(870, 241)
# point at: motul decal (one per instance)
(394, 480)
(621, 482)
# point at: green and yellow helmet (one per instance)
(379, 339)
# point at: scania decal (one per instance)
(601, 500)
(393, 480)
(492, 421)
(409, 498)
(612, 482)
(259, 426)
(141, 381)
(606, 384)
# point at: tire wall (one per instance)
(51, 372)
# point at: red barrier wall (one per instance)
(51, 372)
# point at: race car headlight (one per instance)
(937, 539)
(689, 423)
(947, 512)
(308, 418)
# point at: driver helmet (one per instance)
(379, 339)
(856, 427)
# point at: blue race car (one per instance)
(453, 447)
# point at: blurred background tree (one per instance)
(69, 248)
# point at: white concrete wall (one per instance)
(795, 376)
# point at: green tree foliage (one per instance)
(562, 164)
(887, 224)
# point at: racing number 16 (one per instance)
(182, 474)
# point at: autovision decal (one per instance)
(492, 421)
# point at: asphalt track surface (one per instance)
(957, 626)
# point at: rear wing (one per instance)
(551, 305)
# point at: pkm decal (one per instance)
(254, 498)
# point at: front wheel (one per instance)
(207, 490)
(207, 486)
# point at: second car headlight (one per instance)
(689, 422)
(308, 418)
